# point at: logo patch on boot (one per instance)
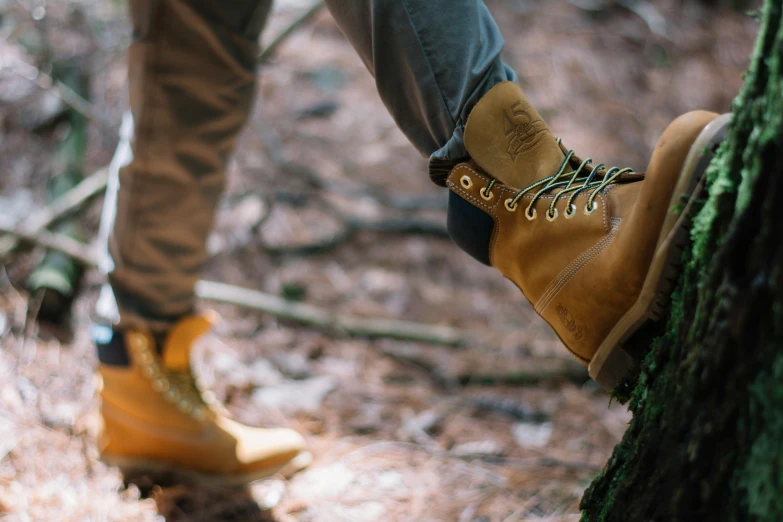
(521, 130)
(569, 322)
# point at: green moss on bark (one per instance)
(762, 475)
(706, 440)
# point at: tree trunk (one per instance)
(706, 439)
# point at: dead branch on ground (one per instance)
(566, 370)
(288, 31)
(271, 304)
(325, 319)
(58, 242)
(570, 371)
(67, 95)
(48, 215)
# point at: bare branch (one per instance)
(62, 91)
(272, 304)
(325, 319)
(61, 243)
(64, 205)
(304, 18)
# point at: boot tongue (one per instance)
(180, 339)
(507, 138)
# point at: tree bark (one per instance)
(706, 439)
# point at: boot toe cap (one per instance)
(260, 448)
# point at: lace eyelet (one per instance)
(553, 216)
(161, 384)
(139, 342)
(531, 217)
(589, 210)
(466, 182)
(487, 195)
(570, 212)
(510, 206)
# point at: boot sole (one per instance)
(130, 465)
(611, 363)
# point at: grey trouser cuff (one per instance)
(446, 158)
(432, 60)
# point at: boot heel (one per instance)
(617, 366)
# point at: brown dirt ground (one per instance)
(603, 82)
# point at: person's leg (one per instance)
(591, 247)
(432, 61)
(191, 75)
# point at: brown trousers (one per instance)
(192, 82)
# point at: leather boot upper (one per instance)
(582, 266)
(152, 410)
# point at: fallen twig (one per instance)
(650, 15)
(412, 356)
(400, 226)
(64, 205)
(351, 227)
(573, 372)
(59, 242)
(415, 428)
(57, 276)
(302, 19)
(515, 409)
(300, 312)
(62, 91)
(318, 317)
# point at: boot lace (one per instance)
(178, 387)
(184, 382)
(574, 182)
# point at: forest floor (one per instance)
(506, 428)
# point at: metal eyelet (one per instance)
(172, 395)
(570, 212)
(145, 357)
(589, 211)
(466, 182)
(553, 216)
(151, 370)
(138, 342)
(199, 413)
(184, 406)
(510, 206)
(531, 217)
(161, 384)
(487, 195)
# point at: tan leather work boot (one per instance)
(154, 416)
(594, 249)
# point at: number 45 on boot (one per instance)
(595, 249)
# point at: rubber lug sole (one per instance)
(618, 357)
